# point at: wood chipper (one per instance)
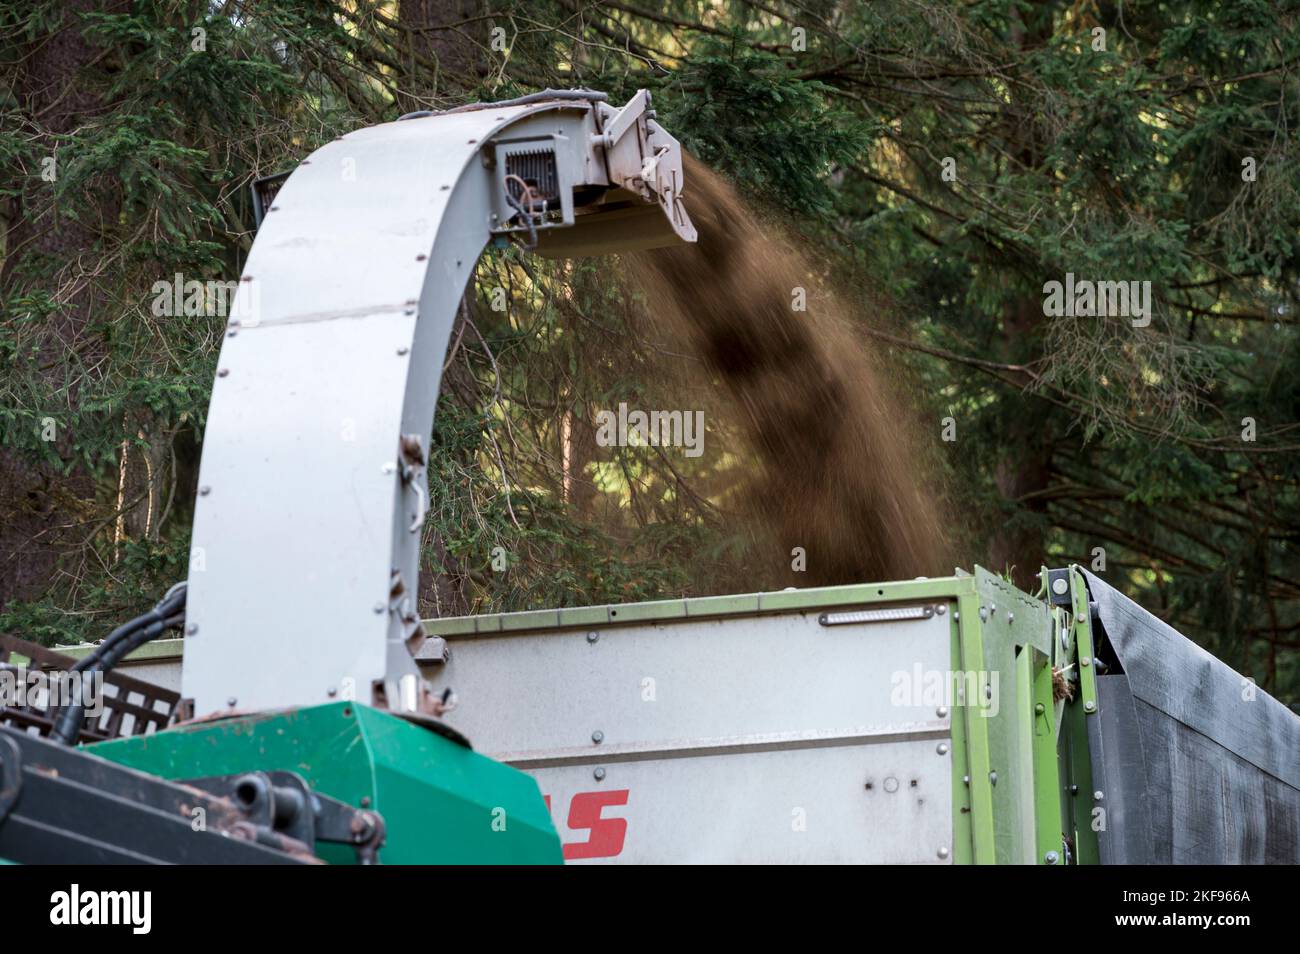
(930, 721)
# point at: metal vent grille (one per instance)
(264, 192)
(129, 706)
(536, 167)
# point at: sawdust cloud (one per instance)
(841, 472)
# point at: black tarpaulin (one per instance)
(1195, 765)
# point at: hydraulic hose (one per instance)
(169, 612)
(172, 600)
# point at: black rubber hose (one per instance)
(126, 629)
(169, 612)
(173, 600)
(138, 639)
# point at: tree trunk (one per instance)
(1023, 466)
(449, 34)
(43, 507)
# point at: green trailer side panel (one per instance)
(963, 835)
(976, 720)
(441, 802)
(1086, 814)
(1009, 624)
(1074, 736)
(1047, 775)
(1025, 774)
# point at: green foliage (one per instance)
(778, 137)
(142, 572)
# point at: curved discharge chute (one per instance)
(312, 487)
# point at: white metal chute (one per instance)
(306, 534)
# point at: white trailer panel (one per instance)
(746, 738)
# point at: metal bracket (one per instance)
(411, 470)
(281, 805)
(641, 157)
(1058, 587)
(1084, 651)
(77, 808)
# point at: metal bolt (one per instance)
(1078, 618)
(599, 775)
(1039, 709)
(965, 780)
(993, 778)
(942, 748)
(984, 613)
(223, 372)
(943, 852)
(1051, 858)
(592, 637)
(378, 607)
(204, 491)
(332, 691)
(1085, 661)
(891, 785)
(1097, 796)
(1090, 706)
(191, 629)
(231, 702)
(1074, 789)
(1011, 617)
(941, 609)
(402, 350)
(1060, 585)
(598, 737)
(232, 332)
(422, 257)
(365, 801)
(941, 712)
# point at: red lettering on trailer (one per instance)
(607, 834)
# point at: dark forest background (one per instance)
(1147, 141)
